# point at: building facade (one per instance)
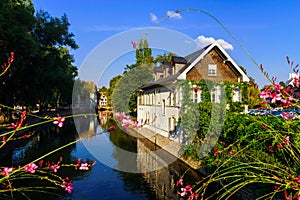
(160, 100)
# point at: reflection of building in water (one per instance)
(103, 118)
(86, 126)
(168, 169)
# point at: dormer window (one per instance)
(212, 70)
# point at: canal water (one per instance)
(102, 181)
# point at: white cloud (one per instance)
(203, 41)
(225, 44)
(153, 18)
(174, 15)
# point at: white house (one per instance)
(160, 100)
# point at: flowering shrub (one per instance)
(260, 153)
(126, 122)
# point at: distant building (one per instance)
(290, 82)
(160, 100)
(102, 100)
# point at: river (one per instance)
(103, 181)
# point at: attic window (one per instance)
(212, 70)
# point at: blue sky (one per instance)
(268, 29)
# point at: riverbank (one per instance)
(168, 144)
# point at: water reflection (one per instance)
(103, 181)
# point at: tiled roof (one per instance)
(193, 56)
(177, 59)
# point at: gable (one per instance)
(212, 67)
(228, 63)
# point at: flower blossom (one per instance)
(179, 182)
(287, 115)
(275, 97)
(6, 171)
(121, 116)
(67, 184)
(59, 120)
(31, 168)
(264, 94)
(296, 81)
(55, 167)
(287, 140)
(136, 125)
(278, 87)
(298, 180)
(84, 166)
(127, 122)
(183, 192)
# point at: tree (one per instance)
(55, 72)
(42, 72)
(124, 93)
(163, 57)
(112, 84)
(143, 55)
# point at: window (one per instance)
(172, 98)
(212, 70)
(195, 94)
(163, 107)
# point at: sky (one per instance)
(104, 30)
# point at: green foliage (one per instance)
(257, 148)
(42, 72)
(128, 85)
(163, 57)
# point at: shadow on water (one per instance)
(103, 182)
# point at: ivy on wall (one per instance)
(203, 122)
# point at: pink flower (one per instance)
(133, 44)
(31, 168)
(264, 94)
(230, 153)
(127, 122)
(275, 97)
(287, 140)
(278, 87)
(179, 182)
(84, 166)
(121, 116)
(189, 189)
(136, 125)
(14, 125)
(55, 167)
(183, 192)
(296, 81)
(287, 115)
(59, 121)
(67, 184)
(6, 171)
(298, 180)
